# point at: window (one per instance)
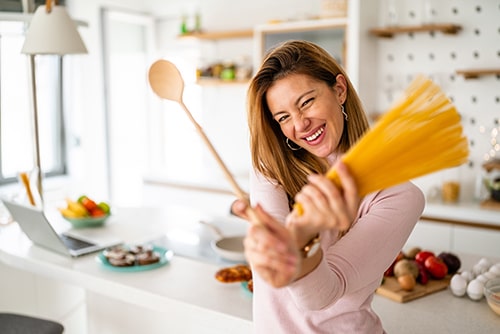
(16, 112)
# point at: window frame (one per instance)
(57, 140)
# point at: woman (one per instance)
(303, 114)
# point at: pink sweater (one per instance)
(336, 296)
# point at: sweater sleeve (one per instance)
(357, 261)
(269, 195)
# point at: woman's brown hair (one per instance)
(270, 154)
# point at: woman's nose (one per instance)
(301, 122)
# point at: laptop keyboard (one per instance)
(73, 243)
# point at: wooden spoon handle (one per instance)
(236, 188)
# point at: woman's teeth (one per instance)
(315, 135)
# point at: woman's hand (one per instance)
(325, 206)
(271, 250)
(239, 208)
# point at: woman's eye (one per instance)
(307, 102)
(281, 119)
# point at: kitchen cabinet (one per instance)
(462, 228)
(329, 33)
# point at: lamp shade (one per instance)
(52, 32)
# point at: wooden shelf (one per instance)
(217, 82)
(389, 32)
(492, 165)
(300, 26)
(213, 35)
(474, 74)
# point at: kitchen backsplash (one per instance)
(475, 46)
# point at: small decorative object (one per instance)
(491, 182)
(333, 8)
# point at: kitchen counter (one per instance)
(468, 214)
(184, 297)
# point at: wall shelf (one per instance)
(474, 74)
(389, 32)
(213, 35)
(205, 81)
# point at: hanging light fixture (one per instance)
(51, 32)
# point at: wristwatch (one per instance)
(311, 247)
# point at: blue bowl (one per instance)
(87, 221)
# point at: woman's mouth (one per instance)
(315, 135)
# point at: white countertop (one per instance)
(462, 212)
(188, 285)
(183, 284)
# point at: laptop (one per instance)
(37, 227)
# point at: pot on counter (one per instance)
(227, 247)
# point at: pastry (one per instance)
(238, 273)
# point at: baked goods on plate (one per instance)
(134, 257)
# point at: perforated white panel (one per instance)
(476, 46)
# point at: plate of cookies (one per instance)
(131, 258)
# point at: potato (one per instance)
(406, 266)
(410, 254)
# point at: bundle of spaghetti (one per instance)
(420, 134)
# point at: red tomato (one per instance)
(436, 267)
(422, 256)
(89, 204)
(97, 212)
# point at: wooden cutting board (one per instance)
(391, 289)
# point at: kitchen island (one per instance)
(183, 296)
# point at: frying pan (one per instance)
(227, 247)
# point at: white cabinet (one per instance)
(329, 33)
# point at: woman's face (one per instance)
(309, 112)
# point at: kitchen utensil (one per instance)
(492, 294)
(166, 81)
(228, 247)
(26, 182)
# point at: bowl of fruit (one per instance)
(85, 212)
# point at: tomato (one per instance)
(422, 256)
(436, 267)
(97, 212)
(89, 204)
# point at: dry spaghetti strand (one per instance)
(420, 134)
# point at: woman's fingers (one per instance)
(270, 249)
(326, 206)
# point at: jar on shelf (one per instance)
(450, 186)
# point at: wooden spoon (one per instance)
(166, 81)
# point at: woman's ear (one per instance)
(341, 88)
